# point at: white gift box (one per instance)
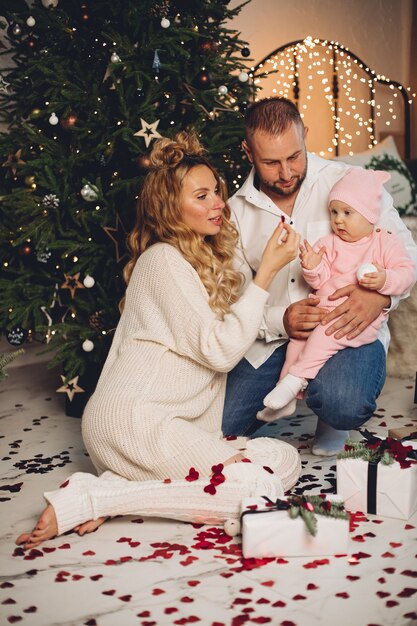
(273, 533)
(394, 494)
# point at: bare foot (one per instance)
(90, 526)
(45, 529)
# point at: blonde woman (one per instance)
(152, 426)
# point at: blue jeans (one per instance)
(343, 394)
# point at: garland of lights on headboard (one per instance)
(315, 58)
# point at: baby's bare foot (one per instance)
(90, 526)
(45, 529)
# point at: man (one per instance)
(290, 184)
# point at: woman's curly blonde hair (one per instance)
(159, 220)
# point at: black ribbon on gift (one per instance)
(384, 444)
(371, 487)
(278, 505)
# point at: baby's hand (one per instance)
(374, 280)
(310, 259)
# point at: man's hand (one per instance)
(301, 317)
(360, 309)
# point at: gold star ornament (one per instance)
(148, 131)
(13, 160)
(72, 283)
(71, 387)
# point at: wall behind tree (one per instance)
(377, 31)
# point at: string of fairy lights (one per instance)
(321, 62)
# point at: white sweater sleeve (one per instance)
(187, 324)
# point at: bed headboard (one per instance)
(361, 107)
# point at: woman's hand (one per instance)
(281, 248)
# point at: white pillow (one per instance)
(401, 186)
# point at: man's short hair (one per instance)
(272, 116)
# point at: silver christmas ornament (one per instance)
(243, 77)
(89, 281)
(165, 23)
(89, 192)
(88, 345)
(222, 90)
(53, 119)
(31, 21)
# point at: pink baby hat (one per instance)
(362, 190)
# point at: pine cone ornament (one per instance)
(96, 321)
(50, 201)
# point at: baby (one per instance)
(355, 252)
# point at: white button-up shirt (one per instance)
(256, 216)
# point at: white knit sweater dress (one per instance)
(157, 407)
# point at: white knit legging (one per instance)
(274, 468)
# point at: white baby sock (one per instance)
(328, 441)
(271, 415)
(285, 391)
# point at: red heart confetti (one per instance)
(362, 555)
(157, 592)
(263, 601)
(409, 572)
(391, 603)
(382, 594)
(343, 594)
(170, 609)
(192, 475)
(279, 603)
(407, 592)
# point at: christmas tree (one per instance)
(85, 88)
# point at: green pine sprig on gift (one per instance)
(361, 450)
(308, 506)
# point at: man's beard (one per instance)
(279, 191)
(286, 192)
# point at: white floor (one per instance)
(152, 572)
